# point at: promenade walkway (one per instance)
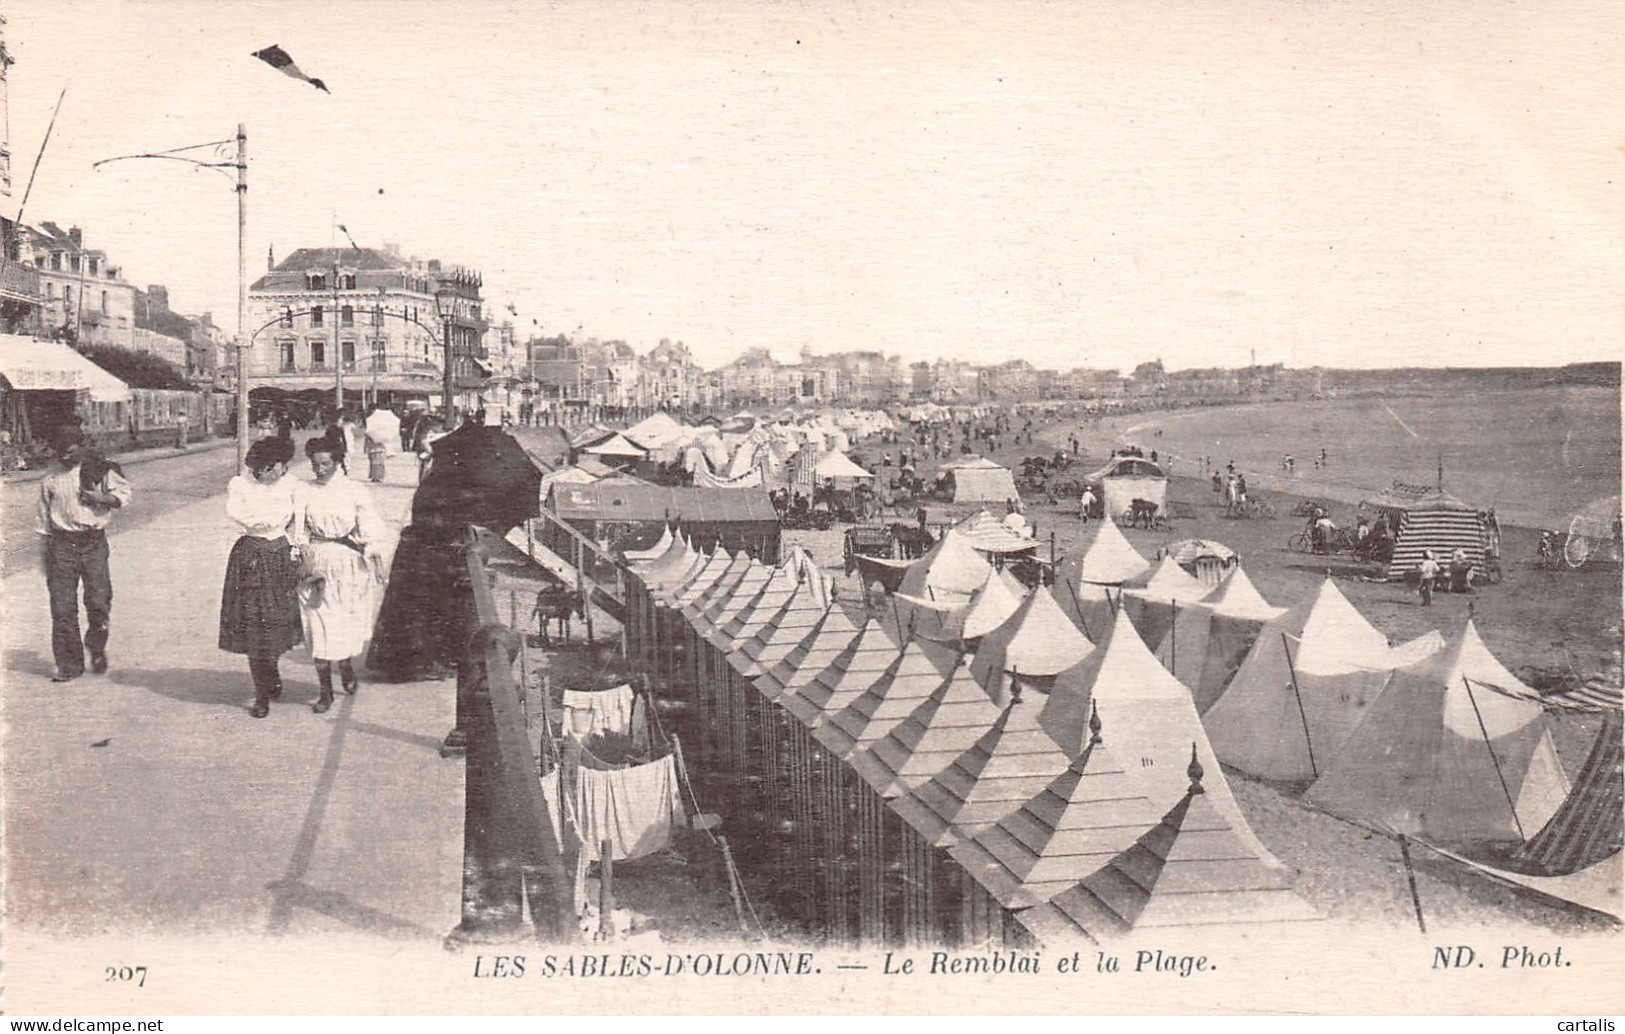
(146, 801)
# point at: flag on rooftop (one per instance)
(278, 59)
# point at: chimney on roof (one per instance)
(77, 236)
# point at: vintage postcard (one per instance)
(690, 507)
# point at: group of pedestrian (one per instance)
(304, 569)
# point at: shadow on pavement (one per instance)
(292, 894)
(207, 686)
(30, 662)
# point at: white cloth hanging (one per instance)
(607, 710)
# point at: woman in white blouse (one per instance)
(259, 615)
(337, 531)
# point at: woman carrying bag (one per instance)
(337, 531)
(259, 615)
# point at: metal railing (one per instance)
(511, 851)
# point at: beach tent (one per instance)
(1207, 561)
(1445, 755)
(859, 665)
(1192, 872)
(1208, 641)
(1155, 599)
(937, 730)
(1307, 682)
(1004, 769)
(1125, 479)
(1587, 828)
(918, 671)
(977, 479)
(948, 572)
(991, 535)
(1033, 645)
(615, 447)
(1102, 559)
(1074, 826)
(989, 607)
(655, 431)
(1425, 518)
(839, 466)
(1151, 719)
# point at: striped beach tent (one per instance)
(1427, 518)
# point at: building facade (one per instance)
(84, 299)
(370, 319)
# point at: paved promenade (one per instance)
(147, 802)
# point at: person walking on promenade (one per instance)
(336, 529)
(259, 609)
(76, 503)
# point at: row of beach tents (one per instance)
(977, 712)
(1036, 784)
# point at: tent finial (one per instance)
(1015, 691)
(1194, 770)
(1094, 723)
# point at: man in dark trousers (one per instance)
(77, 499)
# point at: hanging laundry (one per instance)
(606, 710)
(635, 808)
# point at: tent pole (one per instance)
(1292, 670)
(1493, 759)
(1173, 637)
(1077, 604)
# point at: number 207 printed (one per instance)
(127, 974)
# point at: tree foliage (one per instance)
(137, 369)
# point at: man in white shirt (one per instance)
(77, 498)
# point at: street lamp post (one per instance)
(244, 340)
(446, 313)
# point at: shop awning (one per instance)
(29, 365)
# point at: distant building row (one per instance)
(52, 286)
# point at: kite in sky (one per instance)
(278, 59)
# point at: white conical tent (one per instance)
(1307, 682)
(1081, 820)
(1156, 599)
(950, 570)
(1208, 642)
(1444, 754)
(1035, 643)
(634, 556)
(1191, 871)
(1000, 772)
(989, 608)
(1105, 558)
(1152, 721)
(1337, 639)
(938, 730)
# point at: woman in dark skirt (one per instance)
(259, 608)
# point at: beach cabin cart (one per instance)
(1127, 478)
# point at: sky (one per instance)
(1356, 184)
